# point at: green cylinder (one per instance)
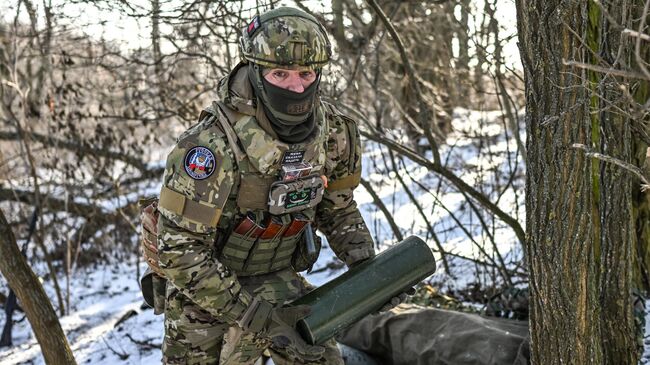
(364, 289)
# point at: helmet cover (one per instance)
(285, 38)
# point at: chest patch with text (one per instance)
(291, 157)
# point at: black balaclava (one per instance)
(290, 114)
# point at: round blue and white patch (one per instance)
(199, 163)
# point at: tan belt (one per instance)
(198, 211)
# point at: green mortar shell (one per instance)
(364, 289)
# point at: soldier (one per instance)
(241, 192)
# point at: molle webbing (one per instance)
(250, 254)
(266, 256)
(247, 253)
(198, 211)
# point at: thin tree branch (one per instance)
(637, 46)
(78, 147)
(455, 180)
(417, 205)
(632, 33)
(56, 204)
(427, 119)
(607, 71)
(382, 207)
(615, 161)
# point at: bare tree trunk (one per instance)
(161, 91)
(339, 29)
(579, 223)
(642, 159)
(37, 306)
(463, 37)
(462, 62)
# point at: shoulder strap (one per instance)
(223, 114)
(339, 121)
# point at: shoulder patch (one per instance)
(199, 162)
(199, 176)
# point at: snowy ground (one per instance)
(645, 359)
(108, 325)
(100, 298)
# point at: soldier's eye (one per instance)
(279, 74)
(308, 75)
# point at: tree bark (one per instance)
(34, 301)
(579, 224)
(641, 94)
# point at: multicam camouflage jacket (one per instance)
(222, 182)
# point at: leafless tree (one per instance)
(587, 110)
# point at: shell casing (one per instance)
(364, 289)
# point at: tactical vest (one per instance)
(273, 211)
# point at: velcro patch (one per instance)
(291, 157)
(254, 24)
(199, 163)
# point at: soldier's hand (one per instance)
(278, 325)
(281, 329)
(149, 219)
(397, 300)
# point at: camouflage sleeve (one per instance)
(337, 215)
(198, 178)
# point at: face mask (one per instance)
(288, 105)
(290, 113)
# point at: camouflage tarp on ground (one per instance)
(415, 335)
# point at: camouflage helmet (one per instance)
(286, 38)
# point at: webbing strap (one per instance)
(350, 181)
(230, 133)
(201, 212)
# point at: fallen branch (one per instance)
(121, 355)
(129, 314)
(146, 344)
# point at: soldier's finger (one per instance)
(149, 223)
(311, 353)
(298, 311)
(386, 308)
(395, 301)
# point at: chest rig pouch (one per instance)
(296, 195)
(275, 199)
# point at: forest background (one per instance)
(511, 135)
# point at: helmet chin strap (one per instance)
(290, 113)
